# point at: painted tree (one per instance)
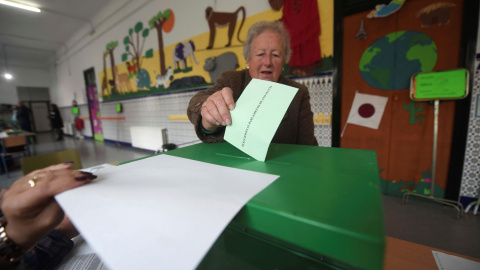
(163, 21)
(133, 44)
(110, 47)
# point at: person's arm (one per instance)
(48, 253)
(20, 112)
(30, 210)
(209, 110)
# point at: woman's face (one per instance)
(267, 56)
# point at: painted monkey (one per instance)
(223, 19)
(276, 4)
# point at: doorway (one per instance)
(40, 111)
(37, 99)
(93, 105)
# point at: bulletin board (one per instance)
(379, 56)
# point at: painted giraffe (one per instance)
(105, 88)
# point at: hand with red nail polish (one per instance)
(30, 211)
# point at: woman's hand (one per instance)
(216, 110)
(29, 205)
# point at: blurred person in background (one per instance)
(56, 121)
(23, 117)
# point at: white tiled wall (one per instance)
(471, 167)
(320, 88)
(153, 111)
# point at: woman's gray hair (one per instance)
(260, 27)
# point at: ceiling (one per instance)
(31, 39)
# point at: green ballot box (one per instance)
(323, 212)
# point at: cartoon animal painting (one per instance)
(164, 78)
(105, 88)
(223, 19)
(123, 83)
(143, 79)
(276, 4)
(217, 65)
(132, 68)
(181, 52)
(385, 10)
(106, 91)
(438, 13)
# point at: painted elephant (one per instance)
(216, 65)
(181, 52)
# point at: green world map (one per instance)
(390, 61)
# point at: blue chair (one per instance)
(13, 146)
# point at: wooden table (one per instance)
(400, 254)
(28, 134)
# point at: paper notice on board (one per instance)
(257, 115)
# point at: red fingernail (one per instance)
(85, 177)
(81, 178)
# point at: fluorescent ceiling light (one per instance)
(8, 76)
(17, 5)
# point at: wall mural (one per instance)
(390, 44)
(383, 10)
(223, 19)
(193, 63)
(409, 51)
(302, 20)
(437, 13)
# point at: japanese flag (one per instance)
(367, 110)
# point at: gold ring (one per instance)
(32, 182)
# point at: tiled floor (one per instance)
(425, 223)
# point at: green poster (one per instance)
(449, 84)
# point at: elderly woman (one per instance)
(34, 234)
(267, 48)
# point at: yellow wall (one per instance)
(201, 41)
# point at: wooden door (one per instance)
(423, 35)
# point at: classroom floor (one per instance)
(425, 223)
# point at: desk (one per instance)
(402, 254)
(324, 211)
(28, 134)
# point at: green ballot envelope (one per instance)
(257, 115)
(323, 212)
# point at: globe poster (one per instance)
(390, 61)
